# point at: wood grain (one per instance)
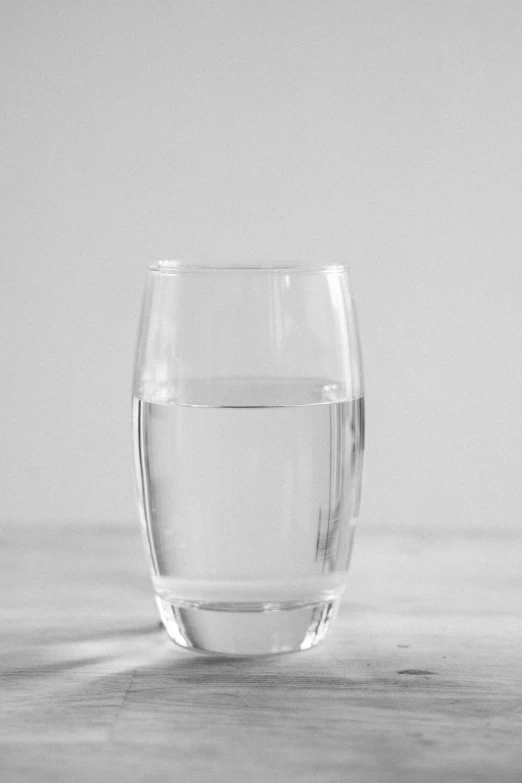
(419, 681)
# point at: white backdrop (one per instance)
(384, 134)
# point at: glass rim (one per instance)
(168, 267)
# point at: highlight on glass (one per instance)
(248, 425)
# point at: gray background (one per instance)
(385, 134)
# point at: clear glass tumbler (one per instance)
(248, 437)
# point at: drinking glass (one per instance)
(248, 435)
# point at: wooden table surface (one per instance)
(420, 679)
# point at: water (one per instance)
(249, 501)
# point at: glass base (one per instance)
(228, 630)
